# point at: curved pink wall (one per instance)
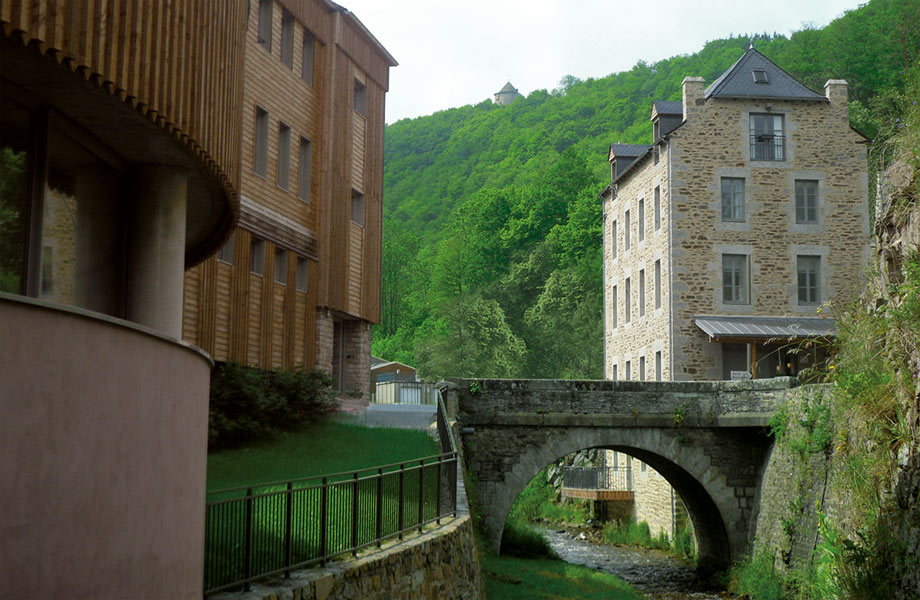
(103, 446)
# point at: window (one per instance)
(287, 38)
(735, 279)
(626, 231)
(281, 265)
(806, 201)
(641, 368)
(641, 222)
(226, 251)
(627, 301)
(265, 24)
(613, 301)
(658, 366)
(257, 256)
(306, 64)
(305, 168)
(357, 207)
(658, 283)
(760, 76)
(284, 156)
(767, 141)
(657, 208)
(732, 199)
(614, 373)
(809, 272)
(641, 292)
(303, 274)
(613, 232)
(360, 103)
(260, 149)
(628, 370)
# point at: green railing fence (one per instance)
(259, 531)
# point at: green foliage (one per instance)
(537, 503)
(13, 194)
(521, 540)
(779, 423)
(684, 543)
(757, 579)
(248, 404)
(635, 534)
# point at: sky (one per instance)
(457, 52)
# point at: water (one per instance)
(654, 573)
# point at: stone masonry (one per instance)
(708, 439)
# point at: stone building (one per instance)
(297, 283)
(729, 239)
(507, 95)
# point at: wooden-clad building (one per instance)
(297, 283)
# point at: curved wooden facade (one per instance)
(177, 63)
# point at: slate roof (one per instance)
(750, 327)
(668, 107)
(628, 149)
(738, 81)
(508, 88)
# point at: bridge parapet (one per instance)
(562, 403)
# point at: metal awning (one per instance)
(743, 327)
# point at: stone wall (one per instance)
(442, 563)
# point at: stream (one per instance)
(652, 572)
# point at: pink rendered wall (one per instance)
(103, 447)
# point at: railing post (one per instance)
(421, 494)
(453, 483)
(379, 532)
(288, 534)
(354, 516)
(437, 512)
(323, 517)
(247, 544)
(399, 519)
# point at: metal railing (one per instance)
(598, 478)
(259, 531)
(767, 147)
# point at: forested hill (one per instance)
(492, 227)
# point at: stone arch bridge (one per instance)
(708, 439)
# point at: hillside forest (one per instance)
(492, 222)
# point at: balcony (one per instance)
(768, 146)
(598, 483)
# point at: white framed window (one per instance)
(733, 199)
(735, 279)
(287, 38)
(641, 223)
(284, 156)
(806, 201)
(260, 146)
(303, 274)
(265, 24)
(281, 265)
(627, 301)
(767, 139)
(641, 292)
(257, 256)
(808, 272)
(357, 207)
(306, 64)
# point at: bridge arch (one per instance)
(710, 501)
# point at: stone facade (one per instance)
(666, 237)
(439, 564)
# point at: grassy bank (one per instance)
(320, 448)
(510, 578)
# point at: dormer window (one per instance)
(760, 76)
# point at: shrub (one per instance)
(248, 404)
(522, 541)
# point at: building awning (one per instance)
(743, 327)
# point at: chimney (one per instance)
(836, 90)
(693, 94)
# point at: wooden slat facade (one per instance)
(256, 319)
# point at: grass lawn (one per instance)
(528, 579)
(322, 448)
